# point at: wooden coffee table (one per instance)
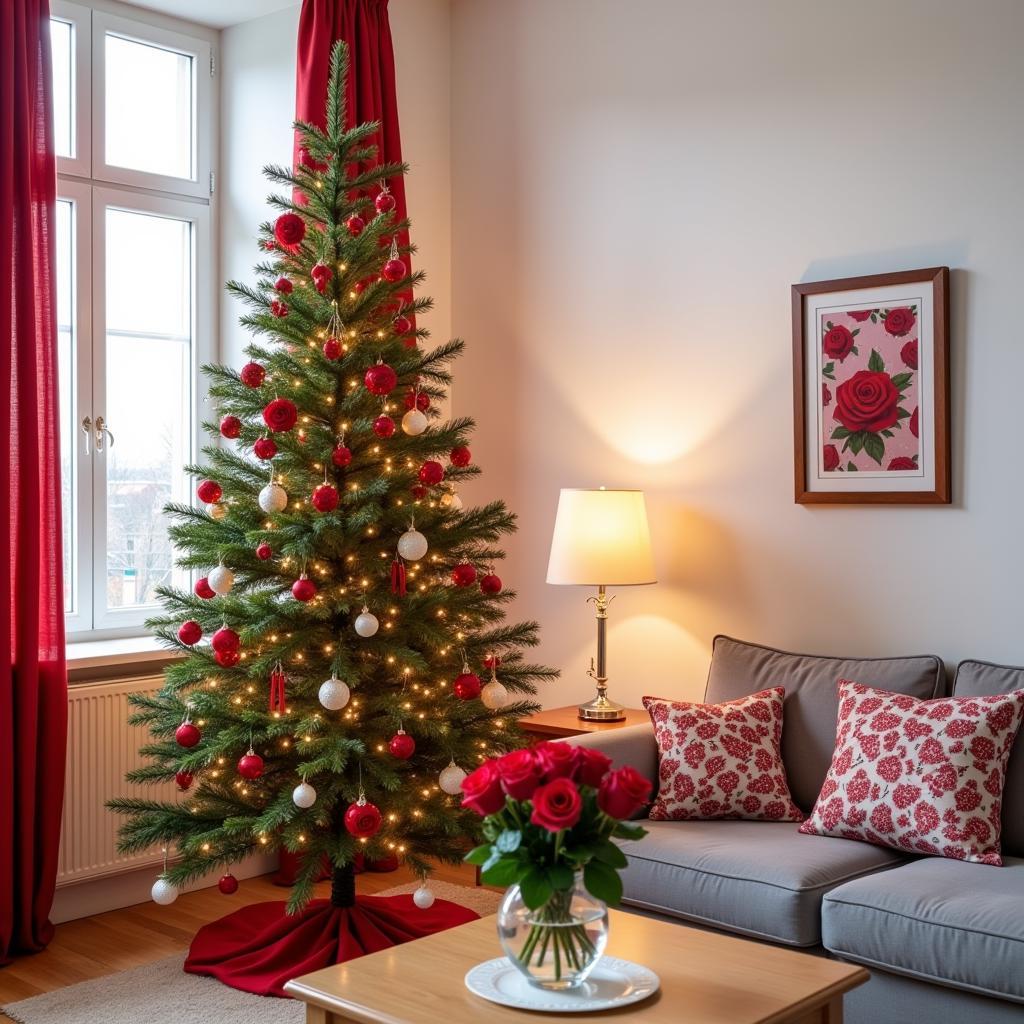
(706, 978)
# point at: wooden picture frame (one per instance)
(871, 389)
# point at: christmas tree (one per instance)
(349, 598)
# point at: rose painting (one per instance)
(869, 392)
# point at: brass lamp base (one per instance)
(601, 709)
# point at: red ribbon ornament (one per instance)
(277, 695)
(398, 577)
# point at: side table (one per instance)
(557, 722)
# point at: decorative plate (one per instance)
(612, 983)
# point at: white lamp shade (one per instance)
(601, 538)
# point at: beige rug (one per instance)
(162, 991)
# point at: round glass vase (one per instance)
(557, 945)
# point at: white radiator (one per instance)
(102, 746)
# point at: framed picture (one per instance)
(871, 389)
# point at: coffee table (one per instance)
(706, 978)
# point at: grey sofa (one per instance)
(944, 940)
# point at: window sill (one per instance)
(94, 660)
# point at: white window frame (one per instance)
(79, 18)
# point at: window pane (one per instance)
(61, 39)
(149, 118)
(68, 414)
(149, 398)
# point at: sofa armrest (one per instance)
(633, 745)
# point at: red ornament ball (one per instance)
(209, 491)
(380, 379)
(279, 309)
(228, 884)
(231, 427)
(492, 661)
(402, 324)
(355, 225)
(325, 498)
(252, 375)
(184, 780)
(269, 244)
(303, 589)
(264, 551)
(190, 632)
(461, 456)
(362, 820)
(490, 584)
(384, 426)
(419, 399)
(385, 202)
(225, 639)
(431, 473)
(203, 589)
(341, 456)
(419, 491)
(265, 448)
(227, 659)
(467, 686)
(332, 349)
(394, 270)
(402, 745)
(250, 766)
(321, 275)
(283, 285)
(289, 230)
(280, 414)
(187, 735)
(464, 575)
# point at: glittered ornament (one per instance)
(362, 819)
(380, 379)
(209, 491)
(464, 575)
(163, 892)
(283, 285)
(279, 309)
(393, 270)
(250, 765)
(217, 510)
(417, 399)
(187, 735)
(303, 589)
(273, 498)
(450, 779)
(225, 639)
(412, 545)
(184, 780)
(341, 456)
(385, 201)
(190, 632)
(461, 456)
(333, 694)
(304, 796)
(490, 584)
(354, 225)
(402, 324)
(431, 473)
(265, 448)
(384, 426)
(280, 414)
(414, 423)
(494, 695)
(321, 275)
(366, 624)
(332, 349)
(325, 498)
(227, 659)
(418, 491)
(252, 375)
(264, 551)
(423, 897)
(228, 884)
(402, 745)
(203, 589)
(230, 427)
(221, 580)
(467, 686)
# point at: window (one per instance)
(132, 121)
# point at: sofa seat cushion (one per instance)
(942, 921)
(757, 878)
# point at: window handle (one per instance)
(87, 428)
(101, 429)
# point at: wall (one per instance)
(258, 87)
(635, 191)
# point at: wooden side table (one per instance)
(557, 722)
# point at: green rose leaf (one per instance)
(535, 887)
(902, 414)
(876, 362)
(610, 854)
(875, 447)
(478, 855)
(854, 333)
(603, 882)
(855, 350)
(856, 442)
(840, 432)
(626, 831)
(560, 876)
(851, 467)
(888, 433)
(502, 872)
(508, 841)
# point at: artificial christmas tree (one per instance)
(335, 708)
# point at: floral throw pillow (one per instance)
(925, 776)
(721, 760)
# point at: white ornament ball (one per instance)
(366, 625)
(494, 695)
(412, 545)
(273, 498)
(450, 779)
(414, 422)
(163, 892)
(216, 510)
(304, 795)
(423, 897)
(221, 580)
(451, 499)
(334, 694)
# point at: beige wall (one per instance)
(636, 187)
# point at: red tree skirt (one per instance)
(259, 948)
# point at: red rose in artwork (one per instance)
(901, 464)
(860, 315)
(831, 458)
(909, 354)
(899, 321)
(557, 805)
(289, 230)
(826, 396)
(867, 401)
(913, 422)
(838, 342)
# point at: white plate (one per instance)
(612, 983)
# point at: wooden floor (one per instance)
(107, 943)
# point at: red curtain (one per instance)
(33, 681)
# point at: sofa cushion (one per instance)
(758, 878)
(980, 679)
(938, 920)
(809, 719)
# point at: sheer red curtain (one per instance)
(33, 681)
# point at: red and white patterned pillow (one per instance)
(721, 760)
(924, 776)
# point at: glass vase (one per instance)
(557, 945)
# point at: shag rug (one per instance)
(158, 990)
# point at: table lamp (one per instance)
(601, 540)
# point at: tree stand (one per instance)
(261, 947)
